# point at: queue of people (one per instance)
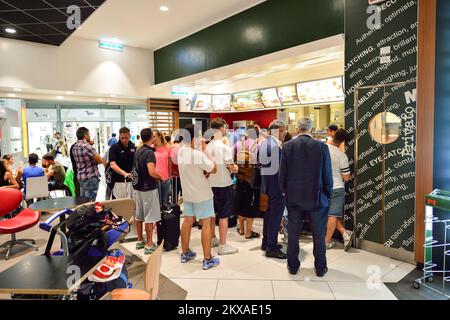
(300, 175)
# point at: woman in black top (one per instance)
(7, 180)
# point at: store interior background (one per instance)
(113, 86)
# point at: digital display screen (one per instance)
(247, 100)
(288, 95)
(202, 102)
(221, 102)
(270, 98)
(321, 91)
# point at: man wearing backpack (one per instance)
(145, 184)
(221, 184)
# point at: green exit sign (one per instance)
(111, 46)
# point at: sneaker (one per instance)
(347, 239)
(188, 256)
(211, 263)
(227, 249)
(331, 245)
(214, 242)
(140, 245)
(150, 250)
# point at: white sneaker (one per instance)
(330, 245)
(347, 239)
(214, 243)
(227, 249)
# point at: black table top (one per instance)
(57, 204)
(47, 275)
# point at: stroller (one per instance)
(91, 231)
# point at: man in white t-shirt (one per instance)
(341, 173)
(221, 184)
(194, 166)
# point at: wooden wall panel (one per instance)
(425, 116)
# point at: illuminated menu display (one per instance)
(247, 100)
(270, 98)
(288, 95)
(202, 102)
(221, 102)
(328, 90)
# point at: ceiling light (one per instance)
(113, 95)
(258, 75)
(281, 66)
(17, 89)
(60, 98)
(10, 30)
(99, 100)
(69, 92)
(12, 95)
(164, 8)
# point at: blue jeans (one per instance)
(164, 190)
(89, 188)
(318, 222)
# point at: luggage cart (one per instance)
(438, 199)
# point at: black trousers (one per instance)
(272, 220)
(318, 223)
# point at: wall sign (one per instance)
(382, 55)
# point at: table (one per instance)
(47, 275)
(58, 204)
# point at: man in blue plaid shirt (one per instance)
(86, 161)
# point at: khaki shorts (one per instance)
(147, 206)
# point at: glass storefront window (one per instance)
(136, 120)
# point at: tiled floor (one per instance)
(249, 274)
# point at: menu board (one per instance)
(221, 102)
(288, 95)
(270, 98)
(328, 90)
(247, 100)
(202, 102)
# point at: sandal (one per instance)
(239, 231)
(253, 235)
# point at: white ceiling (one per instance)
(140, 23)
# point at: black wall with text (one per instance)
(381, 48)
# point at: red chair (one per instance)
(10, 200)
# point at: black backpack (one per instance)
(86, 229)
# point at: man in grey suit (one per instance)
(307, 182)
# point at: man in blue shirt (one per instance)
(32, 170)
(112, 140)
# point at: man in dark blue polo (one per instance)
(307, 181)
(269, 156)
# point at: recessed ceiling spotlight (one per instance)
(17, 89)
(69, 92)
(10, 30)
(59, 98)
(99, 100)
(164, 8)
(113, 95)
(12, 95)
